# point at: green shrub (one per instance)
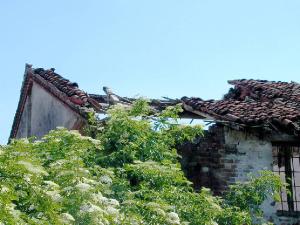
(128, 174)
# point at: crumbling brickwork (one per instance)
(223, 156)
(204, 161)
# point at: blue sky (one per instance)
(149, 48)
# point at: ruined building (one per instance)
(256, 126)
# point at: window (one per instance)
(286, 163)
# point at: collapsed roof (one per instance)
(69, 93)
(254, 104)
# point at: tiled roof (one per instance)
(251, 103)
(75, 95)
(63, 89)
(71, 89)
(255, 103)
(263, 90)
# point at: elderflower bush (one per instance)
(127, 174)
(48, 182)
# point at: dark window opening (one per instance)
(286, 163)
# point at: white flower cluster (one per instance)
(89, 181)
(33, 168)
(78, 135)
(83, 187)
(51, 184)
(14, 212)
(105, 180)
(89, 208)
(109, 202)
(102, 209)
(173, 218)
(4, 189)
(84, 171)
(52, 190)
(101, 214)
(58, 163)
(55, 195)
(27, 178)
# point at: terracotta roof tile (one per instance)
(255, 103)
(64, 85)
(250, 103)
(267, 90)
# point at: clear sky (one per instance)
(150, 48)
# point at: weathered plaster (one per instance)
(224, 156)
(254, 154)
(24, 122)
(46, 113)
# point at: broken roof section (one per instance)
(258, 104)
(255, 104)
(69, 93)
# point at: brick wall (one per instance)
(224, 156)
(204, 161)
